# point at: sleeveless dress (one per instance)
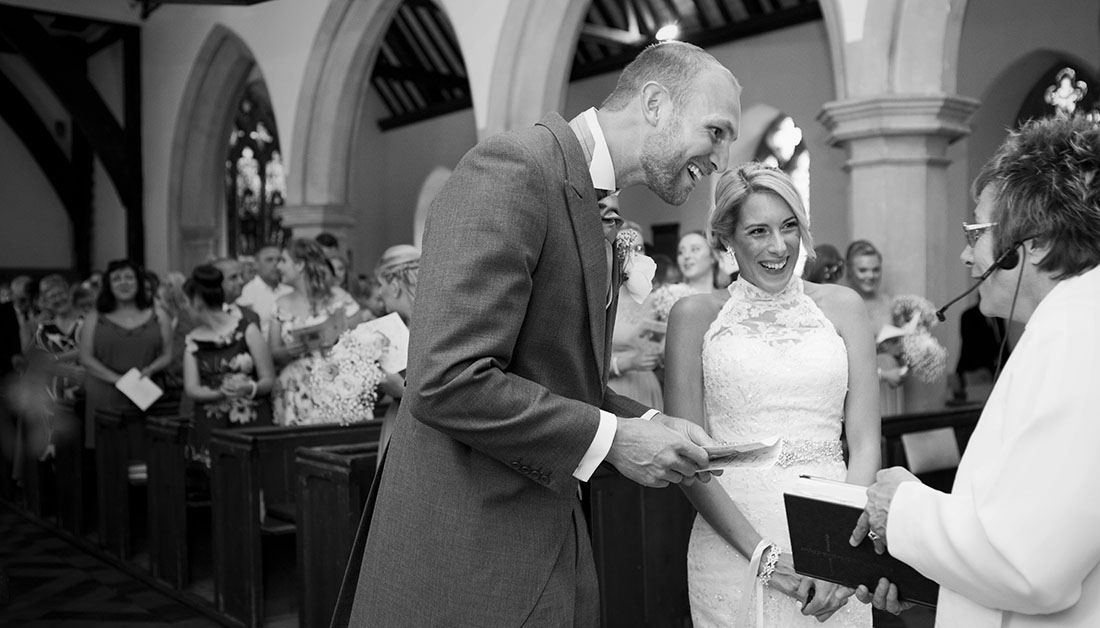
(119, 349)
(773, 365)
(219, 359)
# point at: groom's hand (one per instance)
(696, 434)
(651, 454)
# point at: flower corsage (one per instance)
(638, 268)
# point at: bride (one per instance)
(772, 357)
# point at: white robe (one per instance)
(1017, 541)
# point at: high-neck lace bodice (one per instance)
(773, 365)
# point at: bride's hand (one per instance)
(825, 598)
(785, 579)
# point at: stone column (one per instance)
(306, 221)
(897, 147)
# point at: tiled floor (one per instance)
(53, 584)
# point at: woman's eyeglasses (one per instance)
(974, 232)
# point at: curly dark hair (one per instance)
(106, 301)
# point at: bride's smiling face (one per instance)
(766, 241)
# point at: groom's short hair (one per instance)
(673, 64)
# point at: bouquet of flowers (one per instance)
(923, 355)
(344, 385)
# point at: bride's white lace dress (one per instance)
(773, 365)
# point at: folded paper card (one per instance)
(746, 454)
(139, 389)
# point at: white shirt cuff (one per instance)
(601, 444)
(597, 451)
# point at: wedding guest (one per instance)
(667, 272)
(827, 266)
(266, 287)
(339, 265)
(227, 367)
(697, 262)
(398, 272)
(312, 301)
(369, 296)
(125, 332)
(772, 357)
(57, 336)
(863, 273)
(1017, 540)
(329, 244)
(83, 299)
(173, 301)
(634, 356)
(232, 284)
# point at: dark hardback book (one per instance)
(821, 514)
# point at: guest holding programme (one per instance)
(125, 332)
(313, 300)
(1017, 540)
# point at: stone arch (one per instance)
(337, 74)
(530, 72)
(428, 191)
(196, 194)
(881, 46)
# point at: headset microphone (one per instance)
(1005, 261)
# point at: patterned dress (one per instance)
(219, 360)
(773, 365)
(54, 341)
(293, 395)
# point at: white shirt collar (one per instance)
(601, 169)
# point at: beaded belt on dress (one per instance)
(794, 452)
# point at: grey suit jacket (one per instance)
(508, 365)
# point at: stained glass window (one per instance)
(254, 176)
(782, 147)
(1063, 90)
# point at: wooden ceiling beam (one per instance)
(420, 75)
(611, 36)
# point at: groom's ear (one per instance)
(655, 102)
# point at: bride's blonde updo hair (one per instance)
(734, 188)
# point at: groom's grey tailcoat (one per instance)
(508, 364)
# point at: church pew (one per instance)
(333, 483)
(960, 419)
(169, 560)
(75, 465)
(639, 542)
(120, 442)
(253, 490)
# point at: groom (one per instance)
(506, 408)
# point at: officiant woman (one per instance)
(125, 331)
(1017, 541)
